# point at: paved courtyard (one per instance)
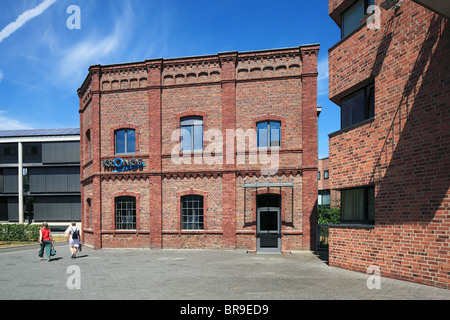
(190, 275)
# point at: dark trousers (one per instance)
(45, 245)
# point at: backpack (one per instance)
(74, 234)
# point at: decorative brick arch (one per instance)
(269, 190)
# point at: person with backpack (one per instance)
(74, 238)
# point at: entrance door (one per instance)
(268, 229)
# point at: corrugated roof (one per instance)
(40, 132)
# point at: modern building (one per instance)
(216, 151)
(390, 74)
(40, 176)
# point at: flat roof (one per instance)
(39, 132)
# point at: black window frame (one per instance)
(326, 174)
(368, 106)
(128, 212)
(364, 215)
(192, 208)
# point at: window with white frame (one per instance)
(191, 133)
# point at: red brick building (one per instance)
(391, 158)
(215, 151)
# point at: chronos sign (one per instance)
(122, 165)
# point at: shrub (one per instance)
(329, 214)
(19, 232)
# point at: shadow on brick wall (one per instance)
(414, 165)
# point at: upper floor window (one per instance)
(326, 174)
(88, 139)
(191, 133)
(352, 17)
(125, 141)
(192, 212)
(358, 107)
(269, 134)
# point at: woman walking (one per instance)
(45, 240)
(74, 237)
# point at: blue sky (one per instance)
(43, 63)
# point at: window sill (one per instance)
(353, 226)
(356, 125)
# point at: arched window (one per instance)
(88, 139)
(89, 212)
(125, 213)
(269, 134)
(125, 141)
(192, 212)
(191, 133)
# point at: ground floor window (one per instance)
(323, 198)
(125, 213)
(358, 205)
(192, 212)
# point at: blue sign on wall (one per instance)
(123, 165)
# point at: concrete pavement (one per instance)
(190, 275)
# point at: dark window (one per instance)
(125, 141)
(89, 210)
(192, 212)
(358, 205)
(191, 133)
(358, 107)
(352, 17)
(318, 175)
(326, 174)
(125, 213)
(269, 134)
(88, 138)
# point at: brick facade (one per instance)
(403, 150)
(230, 91)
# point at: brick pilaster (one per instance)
(228, 65)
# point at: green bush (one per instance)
(329, 214)
(19, 232)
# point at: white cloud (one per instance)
(98, 48)
(7, 123)
(24, 18)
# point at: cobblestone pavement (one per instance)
(190, 275)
